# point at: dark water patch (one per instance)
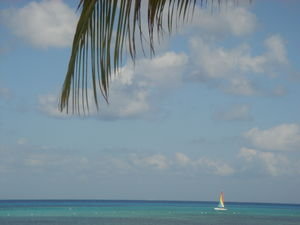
(94, 221)
(205, 220)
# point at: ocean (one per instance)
(111, 212)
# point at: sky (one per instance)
(215, 109)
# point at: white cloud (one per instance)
(273, 164)
(270, 149)
(218, 62)
(130, 162)
(39, 161)
(277, 49)
(132, 90)
(205, 165)
(233, 69)
(164, 70)
(215, 166)
(240, 86)
(157, 161)
(135, 90)
(121, 164)
(283, 137)
(237, 21)
(48, 104)
(53, 159)
(182, 159)
(247, 153)
(47, 23)
(239, 112)
(125, 104)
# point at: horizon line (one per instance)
(144, 200)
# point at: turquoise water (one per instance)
(144, 213)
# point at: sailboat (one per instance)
(221, 203)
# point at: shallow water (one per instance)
(144, 213)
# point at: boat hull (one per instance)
(220, 209)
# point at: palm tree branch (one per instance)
(95, 47)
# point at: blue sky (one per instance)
(216, 109)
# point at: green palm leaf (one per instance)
(96, 55)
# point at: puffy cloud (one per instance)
(37, 159)
(277, 49)
(273, 164)
(215, 166)
(271, 146)
(121, 164)
(156, 161)
(48, 23)
(206, 165)
(48, 104)
(125, 105)
(132, 90)
(131, 162)
(182, 159)
(218, 62)
(163, 71)
(233, 69)
(237, 21)
(239, 112)
(247, 153)
(241, 86)
(135, 90)
(283, 137)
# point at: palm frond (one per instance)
(96, 54)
